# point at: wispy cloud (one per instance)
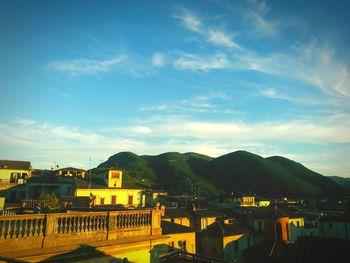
(197, 63)
(221, 39)
(158, 59)
(332, 130)
(314, 64)
(213, 35)
(86, 66)
(191, 21)
(209, 103)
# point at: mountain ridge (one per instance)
(240, 171)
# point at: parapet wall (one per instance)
(37, 231)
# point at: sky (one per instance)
(83, 80)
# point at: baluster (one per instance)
(87, 222)
(80, 222)
(1, 228)
(22, 228)
(99, 222)
(72, 224)
(118, 221)
(76, 224)
(6, 228)
(64, 225)
(59, 225)
(34, 222)
(68, 222)
(12, 228)
(29, 227)
(39, 226)
(92, 222)
(138, 220)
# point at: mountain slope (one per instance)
(246, 172)
(176, 175)
(201, 175)
(342, 181)
(328, 187)
(136, 170)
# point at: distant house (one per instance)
(224, 241)
(70, 171)
(181, 237)
(180, 216)
(102, 189)
(202, 218)
(335, 227)
(15, 171)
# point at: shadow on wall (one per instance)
(85, 253)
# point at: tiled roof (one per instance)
(85, 184)
(172, 228)
(18, 165)
(207, 213)
(69, 169)
(335, 218)
(47, 179)
(219, 228)
(177, 213)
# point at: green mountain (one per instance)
(342, 181)
(137, 173)
(204, 176)
(327, 187)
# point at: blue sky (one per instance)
(82, 79)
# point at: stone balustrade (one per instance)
(49, 230)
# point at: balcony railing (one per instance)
(49, 230)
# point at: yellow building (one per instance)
(180, 216)
(15, 171)
(263, 203)
(180, 237)
(110, 191)
(224, 241)
(297, 221)
(202, 218)
(248, 201)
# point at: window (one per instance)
(184, 245)
(115, 175)
(102, 201)
(130, 200)
(298, 224)
(114, 199)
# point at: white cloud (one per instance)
(313, 64)
(190, 21)
(215, 36)
(261, 25)
(43, 143)
(221, 39)
(196, 63)
(158, 60)
(270, 92)
(86, 66)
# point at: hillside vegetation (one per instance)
(204, 176)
